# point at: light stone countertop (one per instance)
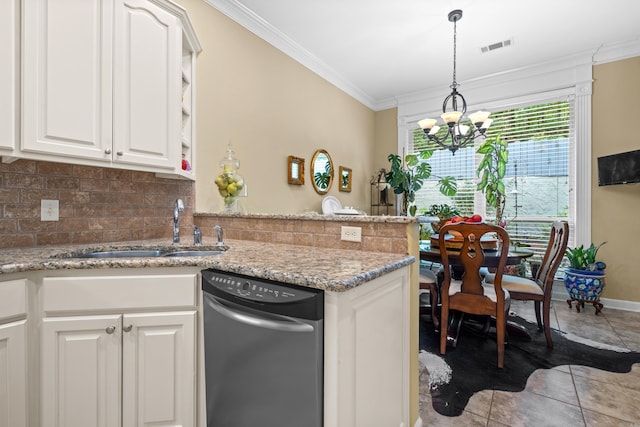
(315, 216)
(335, 270)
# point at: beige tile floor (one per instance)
(567, 395)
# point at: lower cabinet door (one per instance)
(159, 369)
(81, 371)
(13, 374)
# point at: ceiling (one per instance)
(379, 50)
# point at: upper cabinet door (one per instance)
(67, 78)
(147, 84)
(9, 81)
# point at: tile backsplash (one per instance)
(96, 204)
(379, 234)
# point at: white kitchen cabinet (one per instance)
(9, 74)
(128, 364)
(366, 353)
(103, 82)
(13, 353)
(67, 78)
(147, 64)
(139, 367)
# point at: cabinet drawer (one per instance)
(118, 292)
(13, 298)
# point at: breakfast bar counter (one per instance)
(335, 270)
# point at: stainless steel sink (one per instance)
(152, 253)
(193, 253)
(134, 253)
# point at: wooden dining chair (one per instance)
(429, 282)
(539, 288)
(471, 295)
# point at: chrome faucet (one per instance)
(176, 216)
(197, 236)
(220, 232)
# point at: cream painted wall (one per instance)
(616, 91)
(268, 107)
(386, 140)
(386, 137)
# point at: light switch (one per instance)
(49, 210)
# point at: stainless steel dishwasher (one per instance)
(263, 352)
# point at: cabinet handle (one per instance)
(127, 328)
(107, 151)
(110, 329)
(119, 153)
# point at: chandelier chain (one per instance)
(454, 84)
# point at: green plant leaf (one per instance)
(484, 181)
(485, 148)
(426, 154)
(423, 170)
(411, 160)
(504, 155)
(448, 186)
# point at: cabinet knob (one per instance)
(119, 153)
(127, 328)
(110, 329)
(107, 151)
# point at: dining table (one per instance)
(515, 256)
(491, 257)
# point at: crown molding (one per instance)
(617, 51)
(263, 29)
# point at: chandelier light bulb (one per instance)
(427, 124)
(486, 124)
(479, 117)
(450, 117)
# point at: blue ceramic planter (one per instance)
(584, 285)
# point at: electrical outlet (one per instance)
(49, 210)
(351, 234)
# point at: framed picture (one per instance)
(345, 179)
(295, 171)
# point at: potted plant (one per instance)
(406, 177)
(584, 279)
(444, 212)
(491, 170)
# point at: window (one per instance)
(539, 179)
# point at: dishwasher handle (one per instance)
(286, 324)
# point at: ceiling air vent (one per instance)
(494, 46)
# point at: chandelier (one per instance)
(460, 135)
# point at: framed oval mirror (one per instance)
(321, 171)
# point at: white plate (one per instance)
(330, 205)
(347, 211)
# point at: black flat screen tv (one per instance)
(621, 168)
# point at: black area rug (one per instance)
(474, 361)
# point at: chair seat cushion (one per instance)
(425, 299)
(517, 284)
(489, 290)
(427, 276)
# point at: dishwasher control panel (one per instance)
(255, 289)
